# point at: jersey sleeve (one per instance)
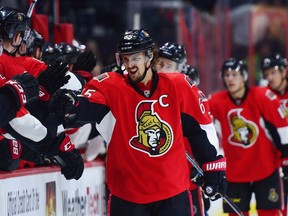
(33, 65)
(8, 110)
(275, 120)
(94, 95)
(196, 121)
(93, 105)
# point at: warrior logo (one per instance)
(154, 135)
(243, 132)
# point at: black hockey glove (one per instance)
(53, 77)
(214, 178)
(86, 61)
(72, 164)
(64, 104)
(10, 152)
(70, 160)
(23, 88)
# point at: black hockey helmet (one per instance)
(192, 72)
(134, 41)
(12, 21)
(174, 52)
(51, 52)
(274, 60)
(35, 40)
(70, 52)
(234, 64)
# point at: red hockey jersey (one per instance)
(146, 158)
(11, 65)
(247, 143)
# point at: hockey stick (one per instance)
(31, 8)
(224, 196)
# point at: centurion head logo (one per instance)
(154, 135)
(243, 131)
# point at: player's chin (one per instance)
(134, 77)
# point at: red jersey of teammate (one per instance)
(146, 156)
(250, 152)
(11, 65)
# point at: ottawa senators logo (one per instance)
(273, 195)
(243, 132)
(154, 135)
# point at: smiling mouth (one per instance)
(132, 71)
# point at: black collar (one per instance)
(155, 79)
(8, 53)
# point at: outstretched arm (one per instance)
(75, 110)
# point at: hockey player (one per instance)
(86, 138)
(253, 127)
(171, 57)
(274, 71)
(25, 127)
(146, 172)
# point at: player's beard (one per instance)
(134, 77)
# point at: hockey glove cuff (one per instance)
(23, 87)
(214, 178)
(70, 160)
